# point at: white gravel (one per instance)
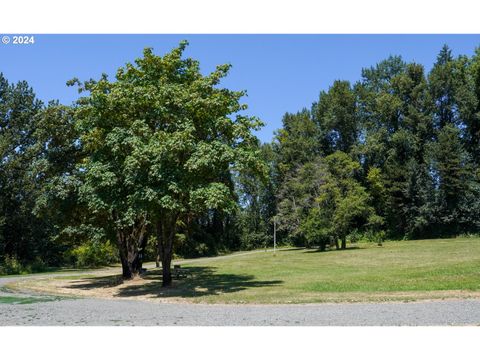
(131, 312)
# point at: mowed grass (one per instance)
(25, 300)
(397, 271)
(404, 270)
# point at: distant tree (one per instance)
(468, 99)
(257, 203)
(376, 187)
(336, 117)
(377, 78)
(342, 204)
(418, 123)
(378, 110)
(398, 128)
(295, 143)
(442, 86)
(22, 234)
(296, 198)
(397, 173)
(56, 151)
(451, 162)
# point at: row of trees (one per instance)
(162, 160)
(395, 154)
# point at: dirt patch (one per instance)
(149, 289)
(110, 287)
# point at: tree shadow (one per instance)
(332, 250)
(98, 282)
(292, 249)
(199, 281)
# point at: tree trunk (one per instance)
(166, 231)
(131, 243)
(166, 269)
(322, 245)
(344, 244)
(158, 259)
(126, 271)
(336, 244)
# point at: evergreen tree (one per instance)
(468, 97)
(23, 235)
(442, 86)
(454, 174)
(336, 118)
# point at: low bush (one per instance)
(255, 240)
(11, 266)
(38, 265)
(367, 236)
(93, 254)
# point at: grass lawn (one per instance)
(403, 270)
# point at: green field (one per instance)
(399, 270)
(403, 269)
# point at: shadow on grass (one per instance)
(291, 249)
(200, 281)
(97, 282)
(332, 250)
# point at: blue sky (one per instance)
(281, 73)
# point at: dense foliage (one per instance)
(405, 155)
(162, 161)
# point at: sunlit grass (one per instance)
(368, 271)
(398, 270)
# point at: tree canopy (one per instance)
(162, 141)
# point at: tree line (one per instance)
(394, 155)
(162, 161)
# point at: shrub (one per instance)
(355, 236)
(255, 240)
(93, 254)
(11, 266)
(468, 235)
(38, 265)
(367, 236)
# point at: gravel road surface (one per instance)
(131, 312)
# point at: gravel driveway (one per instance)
(128, 312)
(34, 309)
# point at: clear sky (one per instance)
(281, 73)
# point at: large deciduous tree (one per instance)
(161, 141)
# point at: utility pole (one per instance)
(274, 235)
